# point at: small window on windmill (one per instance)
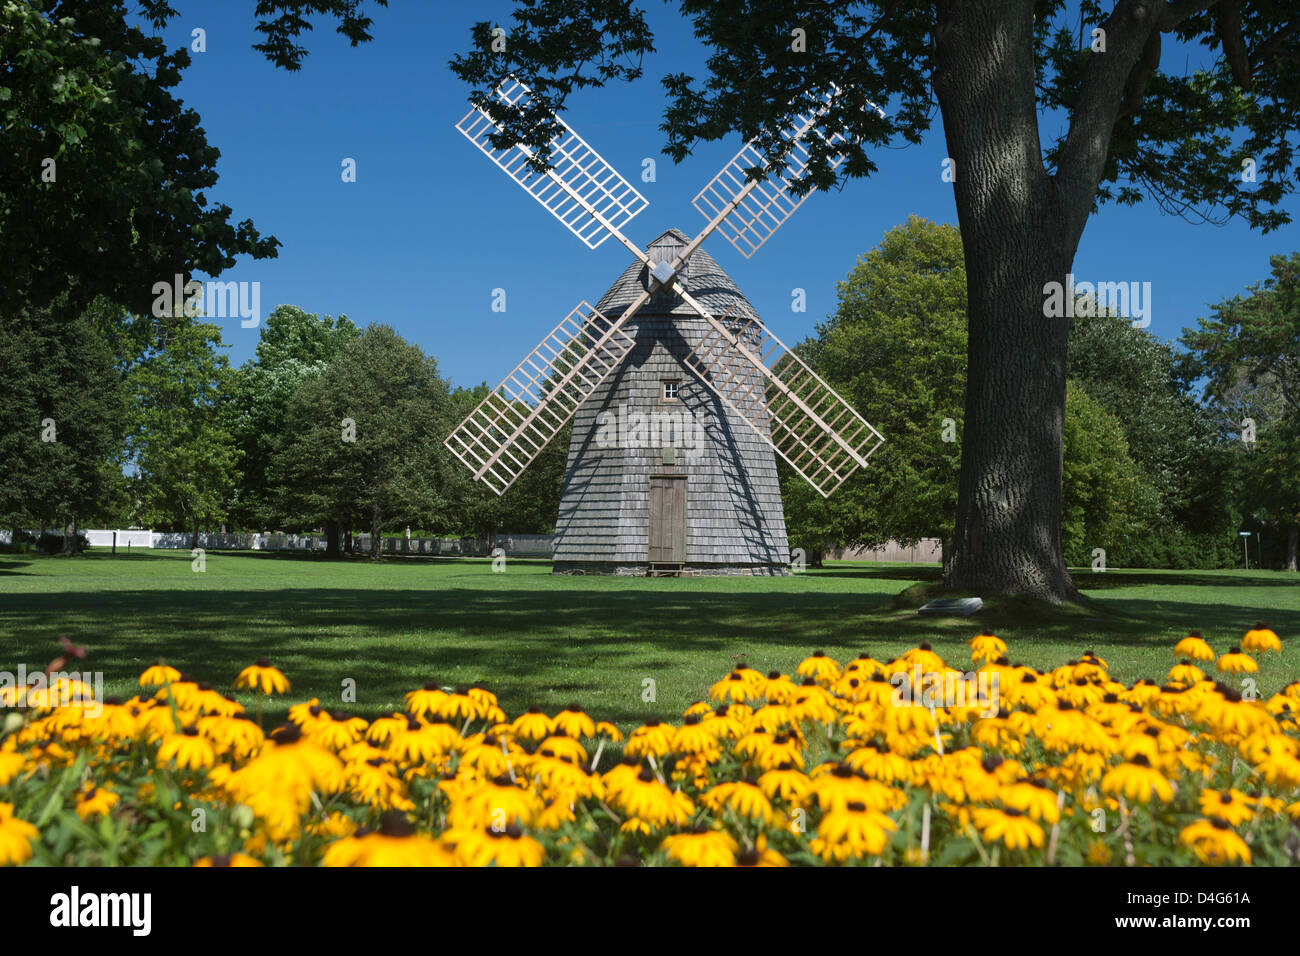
(671, 388)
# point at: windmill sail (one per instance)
(581, 190)
(518, 419)
(748, 211)
(786, 402)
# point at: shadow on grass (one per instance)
(516, 633)
(550, 639)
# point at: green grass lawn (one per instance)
(537, 638)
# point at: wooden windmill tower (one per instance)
(680, 397)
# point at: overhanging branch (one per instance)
(1227, 27)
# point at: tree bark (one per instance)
(194, 536)
(376, 542)
(1016, 238)
(70, 537)
(1292, 545)
(331, 539)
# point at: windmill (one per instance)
(629, 509)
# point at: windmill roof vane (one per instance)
(786, 403)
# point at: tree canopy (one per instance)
(104, 173)
(1248, 352)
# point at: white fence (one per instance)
(514, 545)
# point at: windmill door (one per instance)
(667, 519)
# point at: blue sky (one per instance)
(430, 228)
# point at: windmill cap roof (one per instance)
(705, 280)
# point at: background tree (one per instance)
(1105, 500)
(1248, 350)
(529, 506)
(185, 456)
(896, 344)
(294, 347)
(394, 469)
(995, 68)
(62, 419)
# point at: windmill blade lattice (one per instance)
(786, 402)
(748, 211)
(518, 419)
(581, 190)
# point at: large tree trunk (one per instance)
(1008, 525)
(331, 539)
(70, 537)
(1292, 545)
(376, 542)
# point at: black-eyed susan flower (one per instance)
(694, 738)
(986, 647)
(533, 725)
(278, 784)
(488, 755)
(1138, 781)
(647, 799)
(1008, 826)
(95, 801)
(652, 739)
(396, 843)
(377, 783)
(508, 846)
(1231, 805)
(424, 701)
(159, 675)
(498, 802)
(1235, 662)
(263, 678)
(1033, 798)
(11, 761)
(702, 846)
(187, 749)
(16, 837)
(742, 798)
(785, 782)
(734, 688)
(565, 748)
(1261, 638)
(574, 722)
(880, 763)
(724, 724)
(1193, 647)
(819, 667)
(776, 688)
(1185, 673)
(852, 831)
(1214, 841)
(338, 731)
(463, 705)
(811, 703)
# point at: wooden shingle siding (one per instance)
(734, 519)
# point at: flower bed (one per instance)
(900, 762)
